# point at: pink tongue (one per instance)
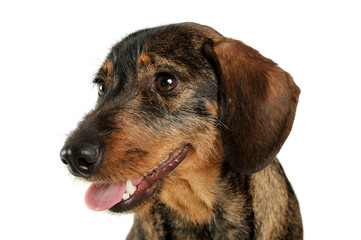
(102, 197)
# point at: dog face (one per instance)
(175, 104)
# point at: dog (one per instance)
(185, 134)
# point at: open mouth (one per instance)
(120, 197)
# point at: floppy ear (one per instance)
(257, 104)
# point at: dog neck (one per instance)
(194, 208)
(242, 207)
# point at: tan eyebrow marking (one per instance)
(108, 67)
(145, 59)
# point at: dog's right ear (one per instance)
(257, 104)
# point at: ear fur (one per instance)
(257, 104)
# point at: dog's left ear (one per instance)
(257, 104)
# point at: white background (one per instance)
(49, 52)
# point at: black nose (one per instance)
(82, 158)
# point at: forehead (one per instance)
(176, 43)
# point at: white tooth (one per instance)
(125, 196)
(165, 159)
(129, 187)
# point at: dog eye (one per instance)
(165, 83)
(101, 87)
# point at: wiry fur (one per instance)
(234, 106)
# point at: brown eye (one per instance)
(165, 83)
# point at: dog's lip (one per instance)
(149, 183)
(146, 185)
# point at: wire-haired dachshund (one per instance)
(185, 135)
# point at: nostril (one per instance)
(84, 164)
(64, 155)
(64, 161)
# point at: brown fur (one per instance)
(234, 106)
(145, 60)
(258, 100)
(107, 72)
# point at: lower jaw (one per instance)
(136, 199)
(149, 184)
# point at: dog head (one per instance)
(175, 103)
